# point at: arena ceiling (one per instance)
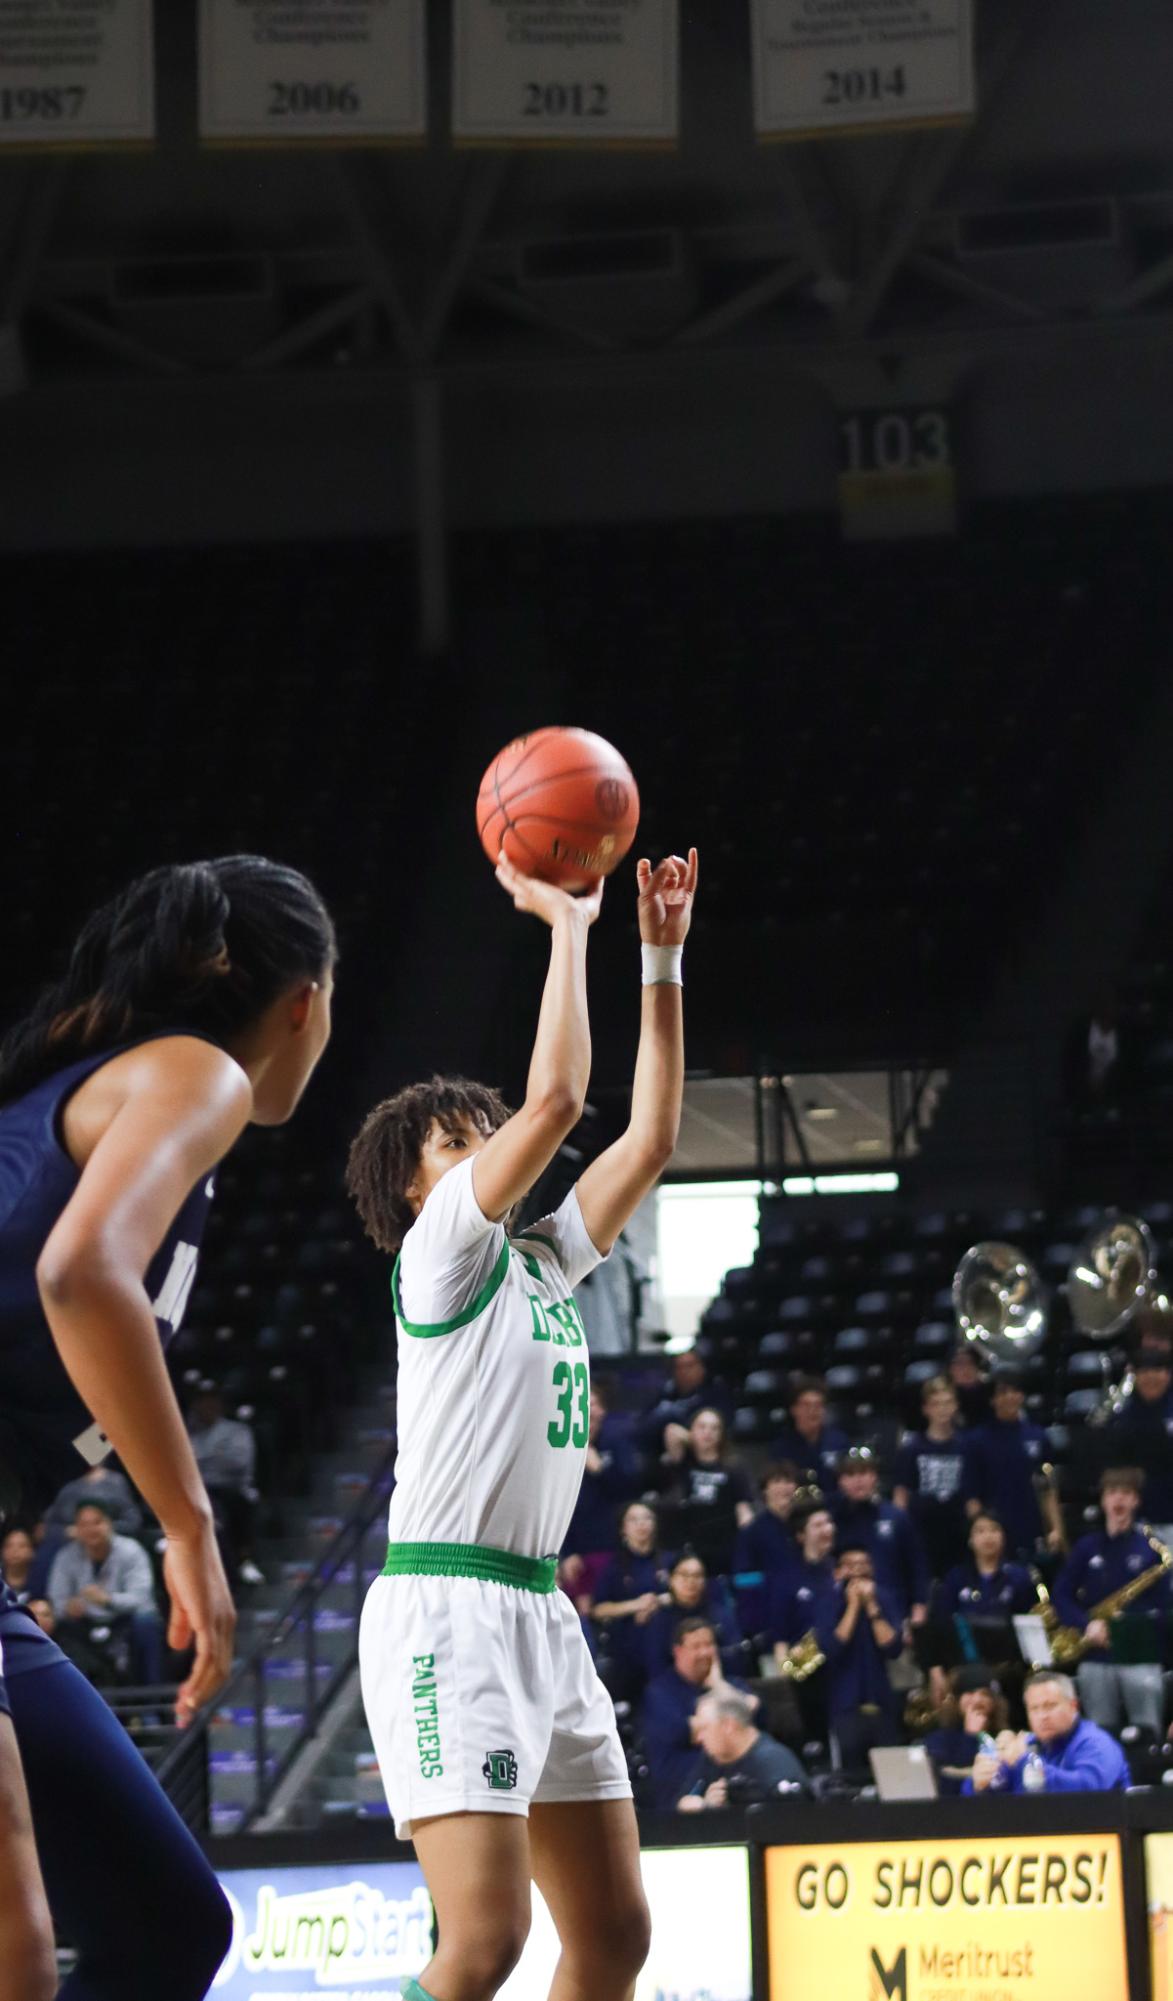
(1044, 226)
(1055, 205)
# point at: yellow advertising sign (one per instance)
(1020, 1918)
(1158, 1862)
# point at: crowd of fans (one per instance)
(90, 1569)
(768, 1634)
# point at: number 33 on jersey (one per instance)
(494, 1376)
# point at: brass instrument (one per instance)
(1068, 1644)
(1110, 1278)
(1046, 1481)
(804, 1659)
(1000, 1302)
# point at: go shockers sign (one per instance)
(1021, 1918)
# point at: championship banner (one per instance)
(568, 73)
(303, 70)
(1022, 1918)
(824, 67)
(700, 1951)
(352, 1932)
(78, 75)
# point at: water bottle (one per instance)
(989, 1749)
(1034, 1774)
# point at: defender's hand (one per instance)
(545, 899)
(666, 895)
(201, 1610)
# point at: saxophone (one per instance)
(1068, 1644)
(804, 1659)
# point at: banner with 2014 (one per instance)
(521, 72)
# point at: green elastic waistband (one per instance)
(469, 1559)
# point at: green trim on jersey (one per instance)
(470, 1559)
(536, 1237)
(491, 1286)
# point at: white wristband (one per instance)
(662, 965)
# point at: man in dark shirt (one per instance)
(1142, 1436)
(796, 1594)
(690, 1388)
(740, 1767)
(1115, 1691)
(765, 1548)
(864, 1521)
(858, 1629)
(971, 1384)
(928, 1478)
(809, 1441)
(1005, 1473)
(669, 1707)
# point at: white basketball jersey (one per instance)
(494, 1376)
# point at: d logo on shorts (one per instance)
(500, 1769)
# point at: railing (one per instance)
(184, 1770)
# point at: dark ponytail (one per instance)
(206, 946)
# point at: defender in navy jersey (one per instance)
(28, 1963)
(195, 1003)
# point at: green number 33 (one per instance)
(571, 1426)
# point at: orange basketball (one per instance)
(562, 803)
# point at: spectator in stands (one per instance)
(1063, 1752)
(928, 1478)
(42, 1611)
(1004, 1472)
(18, 1553)
(628, 1592)
(741, 1767)
(109, 1488)
(767, 1542)
(1152, 1329)
(986, 1586)
(765, 1547)
(611, 1476)
(692, 1593)
(809, 1440)
(103, 1596)
(1142, 1435)
(689, 1388)
(1093, 1060)
(1114, 1692)
(668, 1723)
(857, 1628)
(710, 1486)
(971, 1384)
(796, 1594)
(863, 1520)
(973, 1708)
(226, 1453)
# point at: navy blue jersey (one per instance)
(46, 1432)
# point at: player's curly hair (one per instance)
(385, 1152)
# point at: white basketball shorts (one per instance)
(482, 1698)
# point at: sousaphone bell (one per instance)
(1000, 1302)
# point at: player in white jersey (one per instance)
(495, 1737)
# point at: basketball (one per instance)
(562, 803)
